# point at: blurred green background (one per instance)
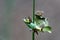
(12, 12)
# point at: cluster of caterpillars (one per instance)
(40, 23)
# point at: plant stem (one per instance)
(33, 34)
(33, 10)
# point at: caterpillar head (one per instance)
(39, 13)
(27, 20)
